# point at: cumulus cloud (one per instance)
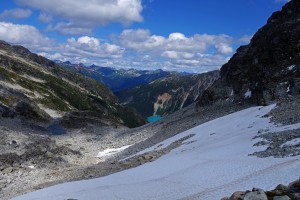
(131, 49)
(196, 53)
(91, 47)
(141, 49)
(16, 13)
(25, 35)
(142, 40)
(90, 13)
(84, 49)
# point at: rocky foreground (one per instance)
(281, 192)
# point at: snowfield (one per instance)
(210, 165)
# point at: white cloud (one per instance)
(70, 28)
(25, 35)
(177, 55)
(197, 53)
(224, 48)
(83, 49)
(131, 49)
(91, 47)
(16, 13)
(246, 39)
(86, 50)
(89, 13)
(46, 18)
(141, 40)
(177, 36)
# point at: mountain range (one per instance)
(116, 79)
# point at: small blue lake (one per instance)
(56, 129)
(154, 118)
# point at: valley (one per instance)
(86, 131)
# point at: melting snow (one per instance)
(288, 89)
(213, 166)
(110, 152)
(290, 68)
(292, 142)
(248, 94)
(53, 113)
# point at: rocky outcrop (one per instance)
(268, 68)
(281, 192)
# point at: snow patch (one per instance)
(14, 86)
(33, 79)
(110, 152)
(53, 113)
(248, 94)
(290, 68)
(293, 142)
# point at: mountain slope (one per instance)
(35, 88)
(211, 161)
(117, 79)
(268, 68)
(168, 94)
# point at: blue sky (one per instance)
(181, 35)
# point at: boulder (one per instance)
(237, 195)
(7, 170)
(256, 194)
(294, 187)
(281, 198)
(281, 187)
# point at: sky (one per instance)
(174, 35)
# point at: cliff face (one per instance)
(269, 67)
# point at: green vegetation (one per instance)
(8, 100)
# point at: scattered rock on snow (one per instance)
(281, 192)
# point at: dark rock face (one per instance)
(269, 67)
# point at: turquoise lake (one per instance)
(154, 118)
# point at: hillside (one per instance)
(167, 95)
(117, 79)
(37, 90)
